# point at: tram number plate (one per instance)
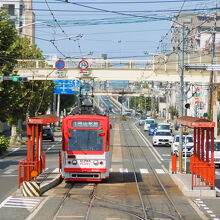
(84, 162)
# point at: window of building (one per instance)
(10, 8)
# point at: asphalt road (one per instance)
(115, 199)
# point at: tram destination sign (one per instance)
(85, 124)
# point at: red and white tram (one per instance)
(85, 152)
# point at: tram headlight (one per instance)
(74, 162)
(95, 162)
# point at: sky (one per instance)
(121, 29)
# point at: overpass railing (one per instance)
(93, 64)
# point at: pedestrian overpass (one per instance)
(161, 68)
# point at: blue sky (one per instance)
(122, 29)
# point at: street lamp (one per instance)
(29, 24)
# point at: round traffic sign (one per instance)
(83, 65)
(60, 64)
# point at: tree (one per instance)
(173, 111)
(67, 101)
(18, 98)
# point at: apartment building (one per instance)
(198, 29)
(22, 16)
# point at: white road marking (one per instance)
(217, 173)
(24, 203)
(8, 175)
(9, 171)
(166, 155)
(122, 170)
(55, 170)
(209, 211)
(144, 171)
(159, 171)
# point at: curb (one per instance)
(192, 193)
(46, 186)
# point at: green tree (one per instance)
(19, 99)
(67, 101)
(173, 111)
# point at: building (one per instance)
(198, 31)
(22, 16)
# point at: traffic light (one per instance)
(19, 79)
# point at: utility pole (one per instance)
(181, 102)
(213, 93)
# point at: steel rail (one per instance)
(66, 195)
(137, 185)
(158, 179)
(91, 202)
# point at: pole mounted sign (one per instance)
(60, 64)
(83, 65)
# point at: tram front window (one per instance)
(85, 140)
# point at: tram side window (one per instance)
(85, 140)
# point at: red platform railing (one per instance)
(24, 171)
(203, 173)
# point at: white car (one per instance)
(188, 145)
(147, 124)
(143, 118)
(162, 138)
(216, 151)
(164, 126)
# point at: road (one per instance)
(139, 172)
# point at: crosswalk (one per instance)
(14, 172)
(24, 203)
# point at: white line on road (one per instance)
(122, 170)
(144, 171)
(159, 171)
(25, 203)
(9, 171)
(55, 170)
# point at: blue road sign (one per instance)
(64, 91)
(60, 64)
(67, 82)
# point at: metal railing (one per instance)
(24, 171)
(203, 173)
(93, 64)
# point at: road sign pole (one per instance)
(58, 108)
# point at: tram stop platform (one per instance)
(184, 182)
(45, 180)
(48, 180)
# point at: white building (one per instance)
(22, 16)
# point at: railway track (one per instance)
(149, 211)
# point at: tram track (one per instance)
(147, 211)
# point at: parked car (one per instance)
(147, 124)
(143, 118)
(162, 138)
(152, 128)
(48, 134)
(188, 145)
